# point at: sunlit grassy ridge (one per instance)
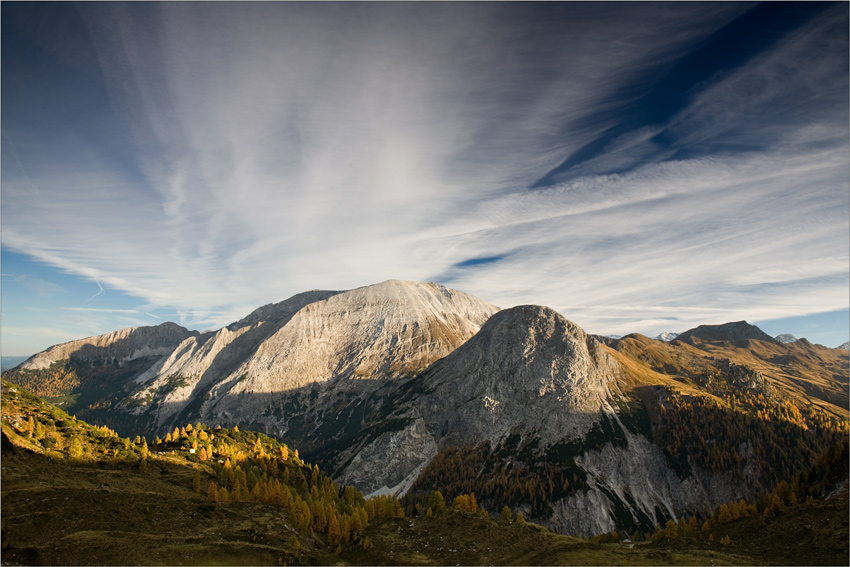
(201, 467)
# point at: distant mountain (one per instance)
(785, 338)
(845, 346)
(118, 347)
(739, 333)
(403, 388)
(9, 362)
(666, 337)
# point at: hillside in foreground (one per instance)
(76, 494)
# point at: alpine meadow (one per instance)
(425, 283)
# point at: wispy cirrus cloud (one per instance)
(258, 150)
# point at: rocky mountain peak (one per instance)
(527, 365)
(666, 337)
(281, 311)
(355, 340)
(736, 332)
(785, 338)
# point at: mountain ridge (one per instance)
(386, 385)
(738, 332)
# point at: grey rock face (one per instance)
(785, 338)
(639, 477)
(355, 339)
(528, 369)
(391, 463)
(126, 344)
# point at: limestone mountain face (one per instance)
(121, 346)
(528, 372)
(357, 340)
(529, 369)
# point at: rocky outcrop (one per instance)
(529, 369)
(636, 478)
(392, 462)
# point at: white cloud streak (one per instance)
(285, 147)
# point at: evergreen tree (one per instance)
(75, 449)
(334, 532)
(506, 515)
(435, 501)
(212, 491)
(293, 546)
(38, 432)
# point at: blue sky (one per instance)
(640, 167)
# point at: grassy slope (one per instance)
(459, 538)
(815, 534)
(102, 510)
(811, 375)
(56, 513)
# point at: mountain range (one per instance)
(403, 388)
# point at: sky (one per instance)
(639, 167)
